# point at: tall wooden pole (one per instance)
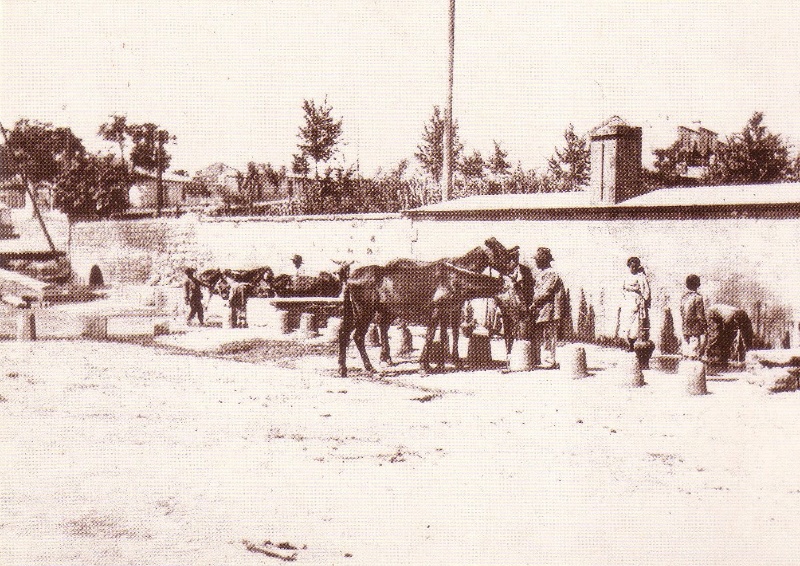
(160, 174)
(447, 149)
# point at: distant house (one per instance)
(178, 191)
(697, 150)
(12, 192)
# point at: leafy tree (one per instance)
(795, 173)
(431, 152)
(93, 185)
(473, 165)
(320, 134)
(668, 166)
(753, 156)
(117, 131)
(148, 151)
(300, 165)
(41, 150)
(497, 163)
(570, 167)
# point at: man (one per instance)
(730, 334)
(693, 320)
(548, 307)
(193, 292)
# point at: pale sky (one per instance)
(229, 78)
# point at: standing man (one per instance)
(193, 293)
(548, 307)
(693, 320)
(634, 316)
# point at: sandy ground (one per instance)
(116, 453)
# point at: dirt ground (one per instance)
(123, 453)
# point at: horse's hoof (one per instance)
(342, 372)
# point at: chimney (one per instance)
(616, 160)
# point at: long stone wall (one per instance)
(748, 262)
(154, 252)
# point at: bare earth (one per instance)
(117, 453)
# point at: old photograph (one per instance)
(429, 282)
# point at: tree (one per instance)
(118, 132)
(473, 165)
(753, 156)
(93, 185)
(300, 165)
(497, 163)
(148, 151)
(320, 134)
(41, 150)
(668, 166)
(570, 167)
(431, 152)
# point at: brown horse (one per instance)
(431, 292)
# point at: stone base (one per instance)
(522, 356)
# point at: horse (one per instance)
(433, 292)
(323, 285)
(260, 280)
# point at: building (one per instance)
(697, 150)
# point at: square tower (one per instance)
(616, 158)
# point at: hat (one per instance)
(543, 254)
(633, 261)
(189, 270)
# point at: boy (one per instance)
(693, 320)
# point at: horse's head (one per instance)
(266, 282)
(501, 259)
(344, 270)
(511, 298)
(222, 287)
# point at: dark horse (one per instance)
(323, 285)
(432, 292)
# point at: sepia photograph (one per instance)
(425, 282)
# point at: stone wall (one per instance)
(746, 262)
(741, 261)
(154, 252)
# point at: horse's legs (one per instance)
(358, 337)
(455, 327)
(508, 333)
(424, 357)
(345, 330)
(384, 322)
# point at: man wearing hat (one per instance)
(548, 307)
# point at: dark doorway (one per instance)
(96, 277)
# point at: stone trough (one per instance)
(775, 370)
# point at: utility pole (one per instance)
(160, 135)
(447, 149)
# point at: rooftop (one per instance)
(577, 204)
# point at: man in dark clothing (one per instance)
(193, 292)
(730, 334)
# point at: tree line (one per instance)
(97, 184)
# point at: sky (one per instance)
(228, 78)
